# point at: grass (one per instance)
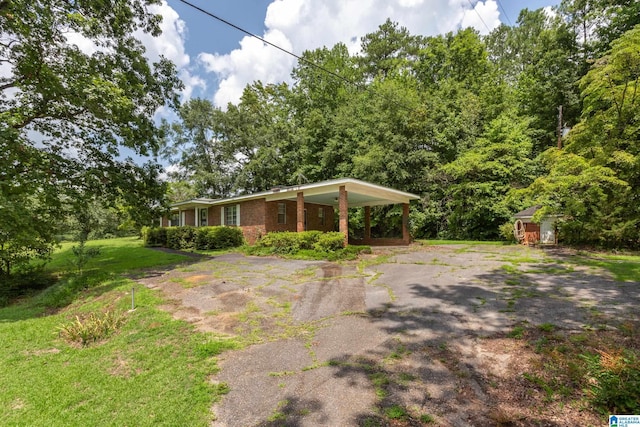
(625, 268)
(117, 256)
(148, 369)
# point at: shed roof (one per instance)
(529, 212)
(359, 193)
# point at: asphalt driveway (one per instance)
(419, 328)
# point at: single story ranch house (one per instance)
(295, 208)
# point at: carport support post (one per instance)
(343, 207)
(300, 212)
(406, 237)
(367, 223)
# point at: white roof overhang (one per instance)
(359, 193)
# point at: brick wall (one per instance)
(214, 215)
(258, 217)
(271, 216)
(313, 219)
(190, 217)
(252, 220)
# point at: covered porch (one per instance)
(343, 194)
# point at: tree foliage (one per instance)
(468, 122)
(69, 116)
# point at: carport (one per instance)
(348, 193)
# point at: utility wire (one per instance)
(349, 82)
(479, 16)
(505, 13)
(299, 58)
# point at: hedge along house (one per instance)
(295, 208)
(529, 232)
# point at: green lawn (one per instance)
(152, 370)
(116, 256)
(625, 268)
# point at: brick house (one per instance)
(294, 208)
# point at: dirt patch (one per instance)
(461, 335)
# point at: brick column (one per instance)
(343, 206)
(367, 224)
(406, 237)
(300, 212)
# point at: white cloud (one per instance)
(171, 42)
(171, 45)
(484, 17)
(299, 25)
(254, 60)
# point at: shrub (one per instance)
(306, 245)
(154, 236)
(506, 232)
(226, 237)
(284, 242)
(188, 237)
(328, 242)
(95, 327)
(82, 255)
(181, 237)
(308, 239)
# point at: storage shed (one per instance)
(528, 232)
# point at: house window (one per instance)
(321, 215)
(174, 220)
(231, 215)
(282, 213)
(203, 218)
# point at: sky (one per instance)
(216, 61)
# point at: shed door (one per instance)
(547, 233)
(531, 233)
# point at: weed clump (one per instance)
(95, 327)
(614, 378)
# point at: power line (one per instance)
(504, 12)
(479, 16)
(349, 82)
(299, 58)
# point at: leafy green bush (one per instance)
(82, 255)
(156, 236)
(284, 242)
(188, 237)
(95, 327)
(181, 237)
(218, 237)
(289, 242)
(506, 232)
(306, 245)
(329, 242)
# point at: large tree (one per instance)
(70, 116)
(595, 182)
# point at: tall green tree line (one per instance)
(471, 123)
